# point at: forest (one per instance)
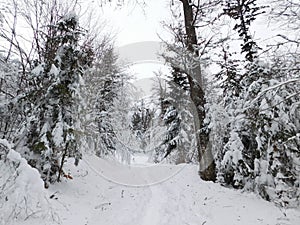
(230, 103)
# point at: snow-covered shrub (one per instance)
(261, 152)
(233, 167)
(22, 193)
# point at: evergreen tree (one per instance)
(52, 128)
(260, 152)
(110, 85)
(179, 94)
(172, 122)
(245, 12)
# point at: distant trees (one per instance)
(141, 118)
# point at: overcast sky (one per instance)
(133, 23)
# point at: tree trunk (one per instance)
(207, 169)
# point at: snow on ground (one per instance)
(104, 192)
(22, 193)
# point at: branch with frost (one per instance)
(288, 39)
(275, 87)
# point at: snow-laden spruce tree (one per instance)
(52, 127)
(172, 122)
(255, 127)
(261, 150)
(178, 94)
(260, 135)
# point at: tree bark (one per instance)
(207, 170)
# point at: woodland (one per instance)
(63, 94)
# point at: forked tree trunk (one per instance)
(207, 165)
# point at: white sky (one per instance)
(133, 23)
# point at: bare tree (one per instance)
(25, 23)
(286, 16)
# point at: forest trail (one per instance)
(104, 192)
(154, 208)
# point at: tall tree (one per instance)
(110, 84)
(54, 124)
(207, 165)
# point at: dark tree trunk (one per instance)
(207, 165)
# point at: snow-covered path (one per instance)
(107, 193)
(154, 206)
